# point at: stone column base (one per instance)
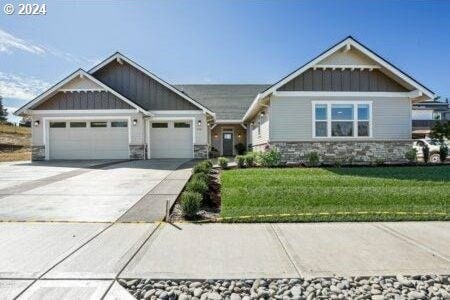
(37, 153)
(137, 151)
(201, 151)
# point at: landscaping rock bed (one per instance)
(377, 287)
(210, 209)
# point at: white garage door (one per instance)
(88, 139)
(171, 139)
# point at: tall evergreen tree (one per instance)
(3, 112)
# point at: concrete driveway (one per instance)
(89, 191)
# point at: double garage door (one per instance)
(109, 139)
(88, 139)
(171, 139)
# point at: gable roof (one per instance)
(78, 73)
(119, 56)
(347, 42)
(228, 101)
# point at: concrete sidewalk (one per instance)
(68, 260)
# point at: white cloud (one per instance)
(21, 87)
(10, 43)
(11, 117)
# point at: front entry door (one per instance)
(227, 144)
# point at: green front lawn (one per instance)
(336, 194)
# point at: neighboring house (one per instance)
(346, 102)
(425, 114)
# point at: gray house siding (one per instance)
(291, 118)
(260, 139)
(83, 100)
(140, 88)
(343, 80)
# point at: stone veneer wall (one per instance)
(344, 151)
(137, 152)
(260, 147)
(201, 151)
(37, 153)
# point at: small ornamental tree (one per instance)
(441, 130)
(3, 112)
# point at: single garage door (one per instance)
(88, 139)
(171, 139)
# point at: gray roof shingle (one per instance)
(228, 101)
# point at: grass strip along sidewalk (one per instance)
(336, 194)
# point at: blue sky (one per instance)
(217, 41)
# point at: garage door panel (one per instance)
(88, 143)
(171, 142)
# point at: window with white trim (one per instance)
(260, 121)
(337, 119)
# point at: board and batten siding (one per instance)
(140, 88)
(343, 80)
(291, 118)
(83, 100)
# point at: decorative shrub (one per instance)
(202, 167)
(338, 162)
(240, 161)
(250, 159)
(190, 204)
(197, 185)
(213, 153)
(350, 159)
(200, 176)
(223, 162)
(313, 158)
(379, 161)
(240, 148)
(411, 155)
(271, 158)
(443, 152)
(426, 153)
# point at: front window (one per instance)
(98, 124)
(119, 124)
(259, 124)
(363, 120)
(340, 120)
(321, 120)
(181, 125)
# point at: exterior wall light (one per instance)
(199, 122)
(216, 136)
(239, 135)
(134, 122)
(36, 123)
(263, 114)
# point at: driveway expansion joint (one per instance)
(291, 259)
(52, 179)
(411, 241)
(40, 277)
